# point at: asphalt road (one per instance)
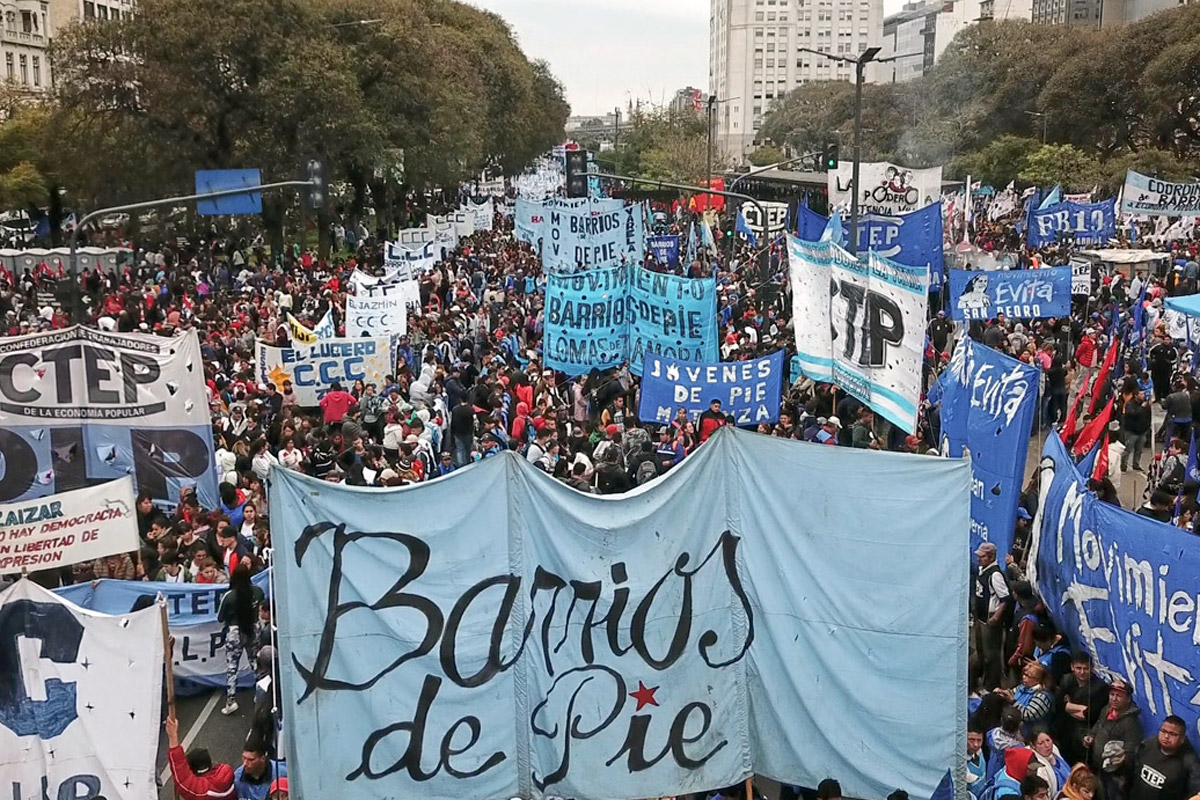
(201, 724)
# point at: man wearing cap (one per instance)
(1021, 534)
(991, 602)
(828, 432)
(196, 777)
(1114, 739)
(940, 329)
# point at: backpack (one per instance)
(646, 471)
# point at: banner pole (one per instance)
(167, 654)
(750, 788)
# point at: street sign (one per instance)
(220, 180)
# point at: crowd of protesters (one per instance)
(468, 382)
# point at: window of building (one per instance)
(770, 47)
(24, 70)
(758, 33)
(758, 63)
(103, 11)
(89, 10)
(758, 16)
(116, 13)
(37, 71)
(757, 113)
(770, 16)
(28, 22)
(9, 69)
(770, 62)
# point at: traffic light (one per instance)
(829, 157)
(577, 173)
(314, 173)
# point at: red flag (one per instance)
(1100, 471)
(1092, 431)
(1068, 429)
(1110, 358)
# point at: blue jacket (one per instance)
(257, 790)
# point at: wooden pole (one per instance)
(167, 656)
(750, 788)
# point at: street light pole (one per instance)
(860, 64)
(768, 168)
(712, 99)
(1043, 116)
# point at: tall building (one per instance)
(754, 57)
(688, 101)
(1068, 12)
(24, 42)
(67, 12)
(922, 30)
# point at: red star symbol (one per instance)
(644, 696)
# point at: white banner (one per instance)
(80, 405)
(464, 222)
(886, 188)
(1081, 277)
(382, 308)
(421, 258)
(80, 698)
(1154, 198)
(775, 224)
(445, 232)
(314, 370)
(1179, 325)
(483, 214)
(68, 527)
(412, 238)
(861, 327)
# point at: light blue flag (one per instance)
(1054, 198)
(741, 227)
(652, 652)
(834, 231)
(706, 236)
(693, 246)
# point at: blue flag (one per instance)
(1192, 473)
(833, 230)
(741, 227)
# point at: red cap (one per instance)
(278, 785)
(612, 430)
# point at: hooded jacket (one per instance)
(1016, 768)
(215, 784)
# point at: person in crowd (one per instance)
(1050, 765)
(1031, 696)
(258, 772)
(1165, 767)
(992, 601)
(195, 775)
(1114, 739)
(238, 616)
(1078, 703)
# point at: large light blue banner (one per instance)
(1123, 587)
(749, 390)
(988, 402)
(1018, 293)
(603, 317)
(1083, 223)
(198, 658)
(573, 241)
(530, 217)
(913, 239)
(671, 316)
(711, 626)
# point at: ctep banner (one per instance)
(69, 527)
(749, 390)
(314, 370)
(1018, 293)
(1155, 198)
(913, 239)
(81, 406)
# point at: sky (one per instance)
(624, 49)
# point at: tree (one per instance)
(665, 146)
(1153, 162)
(767, 154)
(998, 162)
(1062, 164)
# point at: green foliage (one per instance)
(1064, 164)
(998, 162)
(659, 144)
(767, 154)
(24, 170)
(1112, 95)
(441, 88)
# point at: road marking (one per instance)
(205, 713)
